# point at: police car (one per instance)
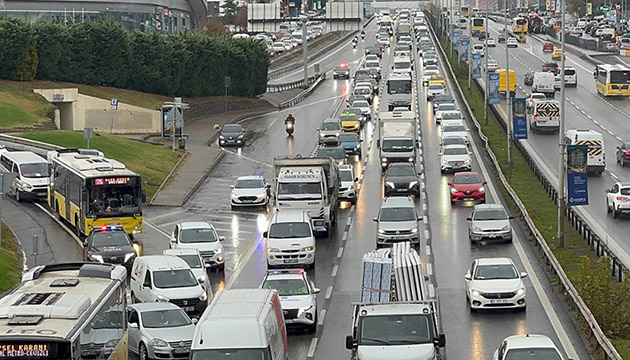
(298, 296)
(110, 244)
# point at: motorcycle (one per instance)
(289, 127)
(354, 44)
(362, 36)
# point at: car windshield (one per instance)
(397, 214)
(447, 107)
(402, 65)
(401, 145)
(287, 287)
(467, 179)
(335, 153)
(372, 64)
(35, 170)
(169, 318)
(194, 261)
(110, 238)
(496, 272)
(407, 170)
(454, 128)
(232, 128)
(348, 117)
(348, 137)
(451, 115)
(249, 184)
(360, 104)
(346, 175)
(490, 214)
(435, 87)
(191, 236)
(168, 279)
(532, 353)
(455, 151)
(453, 141)
(395, 330)
(330, 125)
(399, 86)
(289, 230)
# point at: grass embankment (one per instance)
(576, 257)
(152, 162)
(11, 264)
(20, 106)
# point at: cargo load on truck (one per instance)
(397, 137)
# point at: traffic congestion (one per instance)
(363, 223)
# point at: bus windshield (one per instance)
(619, 77)
(114, 196)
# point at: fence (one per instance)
(575, 219)
(301, 96)
(271, 88)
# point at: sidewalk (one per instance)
(278, 97)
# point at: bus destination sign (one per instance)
(112, 181)
(30, 351)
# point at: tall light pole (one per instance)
(470, 45)
(561, 145)
(508, 94)
(485, 56)
(305, 47)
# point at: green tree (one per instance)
(51, 42)
(230, 9)
(26, 66)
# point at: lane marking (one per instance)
(426, 233)
(311, 349)
(345, 236)
(428, 250)
(340, 252)
(334, 271)
(157, 228)
(431, 290)
(322, 315)
(172, 213)
(246, 157)
(328, 292)
(429, 269)
(244, 259)
(349, 221)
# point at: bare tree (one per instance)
(214, 26)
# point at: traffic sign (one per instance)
(589, 8)
(114, 103)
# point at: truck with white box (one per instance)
(310, 185)
(397, 137)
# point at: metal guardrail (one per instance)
(272, 88)
(21, 144)
(301, 96)
(602, 341)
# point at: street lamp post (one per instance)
(508, 94)
(485, 108)
(305, 47)
(561, 145)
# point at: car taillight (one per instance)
(535, 118)
(622, 198)
(627, 153)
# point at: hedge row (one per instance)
(104, 53)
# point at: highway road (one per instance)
(585, 109)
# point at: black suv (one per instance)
(402, 179)
(110, 244)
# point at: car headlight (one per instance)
(520, 291)
(467, 161)
(410, 159)
(273, 250)
(162, 298)
(129, 256)
(337, 134)
(240, 136)
(505, 228)
(219, 250)
(475, 293)
(412, 184)
(98, 258)
(477, 228)
(308, 248)
(221, 137)
(111, 344)
(453, 191)
(261, 195)
(384, 160)
(159, 343)
(234, 196)
(389, 184)
(414, 230)
(482, 189)
(303, 310)
(381, 231)
(203, 296)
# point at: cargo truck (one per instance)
(503, 82)
(397, 137)
(395, 319)
(307, 184)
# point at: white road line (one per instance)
(311, 349)
(245, 157)
(614, 176)
(328, 292)
(431, 291)
(428, 250)
(340, 252)
(429, 268)
(72, 234)
(349, 221)
(426, 233)
(158, 228)
(542, 295)
(424, 207)
(154, 218)
(344, 237)
(244, 259)
(322, 315)
(334, 271)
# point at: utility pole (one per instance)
(305, 47)
(508, 94)
(487, 77)
(470, 46)
(561, 145)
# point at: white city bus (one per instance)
(65, 311)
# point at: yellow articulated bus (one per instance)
(519, 25)
(89, 190)
(612, 80)
(478, 25)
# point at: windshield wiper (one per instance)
(379, 341)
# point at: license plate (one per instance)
(290, 261)
(181, 350)
(401, 190)
(288, 321)
(188, 308)
(398, 237)
(492, 235)
(469, 199)
(498, 301)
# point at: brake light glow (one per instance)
(627, 153)
(622, 198)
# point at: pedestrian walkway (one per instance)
(278, 97)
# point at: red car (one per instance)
(548, 47)
(467, 186)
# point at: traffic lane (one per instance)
(343, 52)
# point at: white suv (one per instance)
(495, 283)
(455, 158)
(250, 191)
(347, 189)
(618, 199)
(298, 296)
(290, 240)
(529, 346)
(200, 235)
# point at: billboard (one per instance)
(493, 88)
(519, 118)
(476, 66)
(577, 177)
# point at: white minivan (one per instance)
(290, 240)
(32, 173)
(296, 37)
(570, 76)
(166, 278)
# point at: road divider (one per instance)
(320, 77)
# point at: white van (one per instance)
(544, 83)
(290, 240)
(296, 37)
(32, 173)
(200, 235)
(544, 116)
(192, 257)
(167, 278)
(241, 324)
(570, 77)
(596, 159)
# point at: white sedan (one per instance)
(495, 283)
(490, 42)
(512, 42)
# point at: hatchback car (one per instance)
(298, 297)
(365, 92)
(623, 154)
(159, 330)
(529, 346)
(495, 283)
(556, 54)
(110, 244)
(397, 221)
(364, 106)
(250, 191)
(478, 49)
(329, 128)
(547, 47)
(341, 71)
(492, 66)
(351, 143)
(402, 179)
(455, 158)
(452, 140)
(467, 186)
(454, 130)
(551, 67)
(373, 50)
(501, 39)
(347, 187)
(489, 222)
(351, 121)
(200, 235)
(529, 78)
(232, 134)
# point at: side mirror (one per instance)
(221, 238)
(523, 274)
(468, 219)
(350, 344)
(231, 186)
(85, 242)
(356, 179)
(147, 286)
(360, 140)
(450, 183)
(194, 321)
(133, 325)
(266, 234)
(440, 341)
(374, 219)
(201, 280)
(511, 217)
(316, 290)
(468, 277)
